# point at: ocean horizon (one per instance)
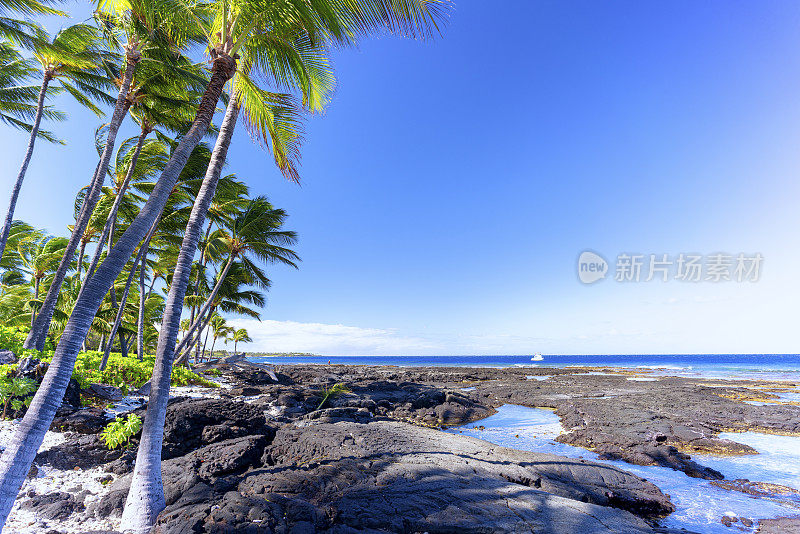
(740, 366)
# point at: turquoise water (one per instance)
(760, 366)
(699, 505)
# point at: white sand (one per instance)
(49, 480)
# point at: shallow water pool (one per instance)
(699, 505)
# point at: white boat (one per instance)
(537, 358)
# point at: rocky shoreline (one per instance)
(259, 456)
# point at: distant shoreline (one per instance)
(784, 367)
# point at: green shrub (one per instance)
(15, 392)
(126, 373)
(119, 431)
(13, 337)
(333, 391)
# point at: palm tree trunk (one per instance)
(142, 297)
(201, 268)
(121, 311)
(19, 454)
(205, 343)
(35, 297)
(146, 496)
(38, 333)
(140, 332)
(108, 227)
(80, 259)
(12, 204)
(183, 358)
(209, 300)
(140, 318)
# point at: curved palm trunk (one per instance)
(140, 317)
(80, 260)
(18, 456)
(142, 301)
(38, 333)
(121, 312)
(207, 303)
(146, 496)
(35, 297)
(108, 227)
(205, 344)
(198, 277)
(123, 345)
(197, 347)
(140, 326)
(183, 358)
(12, 204)
(142, 297)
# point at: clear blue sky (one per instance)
(451, 185)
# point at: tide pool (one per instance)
(699, 504)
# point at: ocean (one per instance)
(739, 366)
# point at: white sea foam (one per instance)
(699, 504)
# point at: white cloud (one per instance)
(330, 339)
(343, 340)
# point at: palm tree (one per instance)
(18, 101)
(240, 335)
(123, 302)
(339, 23)
(20, 453)
(22, 31)
(255, 232)
(231, 196)
(238, 292)
(39, 257)
(75, 59)
(12, 262)
(153, 32)
(159, 98)
(220, 329)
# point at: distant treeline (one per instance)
(283, 354)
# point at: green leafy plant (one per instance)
(333, 391)
(120, 430)
(15, 392)
(126, 373)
